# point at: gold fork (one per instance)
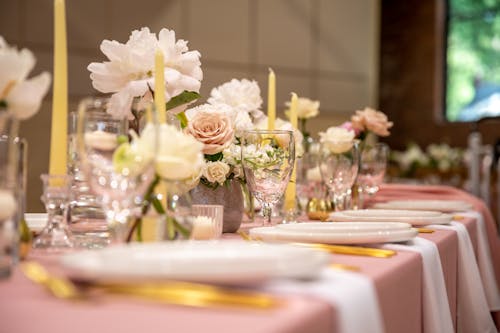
(338, 249)
(173, 292)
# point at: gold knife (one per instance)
(172, 292)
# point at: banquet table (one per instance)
(398, 284)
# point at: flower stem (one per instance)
(148, 199)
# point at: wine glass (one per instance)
(87, 217)
(338, 164)
(118, 169)
(267, 157)
(372, 167)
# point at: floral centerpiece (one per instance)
(367, 121)
(129, 74)
(20, 98)
(306, 109)
(438, 162)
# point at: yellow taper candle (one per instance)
(290, 194)
(160, 87)
(271, 100)
(59, 129)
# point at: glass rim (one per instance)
(268, 131)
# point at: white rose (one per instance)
(216, 172)
(337, 139)
(306, 108)
(179, 155)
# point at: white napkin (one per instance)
(485, 262)
(352, 295)
(436, 309)
(473, 314)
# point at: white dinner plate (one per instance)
(445, 206)
(36, 221)
(337, 232)
(414, 217)
(220, 262)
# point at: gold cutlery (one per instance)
(172, 292)
(458, 217)
(425, 230)
(337, 249)
(344, 267)
(351, 250)
(60, 288)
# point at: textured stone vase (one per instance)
(231, 197)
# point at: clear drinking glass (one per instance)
(56, 236)
(117, 171)
(267, 158)
(87, 217)
(338, 165)
(8, 205)
(372, 167)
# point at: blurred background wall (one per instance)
(321, 49)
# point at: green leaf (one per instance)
(182, 118)
(183, 98)
(214, 157)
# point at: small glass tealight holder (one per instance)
(207, 222)
(56, 235)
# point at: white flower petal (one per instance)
(25, 98)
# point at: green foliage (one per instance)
(473, 50)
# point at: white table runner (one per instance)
(473, 314)
(485, 263)
(436, 309)
(351, 294)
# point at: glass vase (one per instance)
(230, 196)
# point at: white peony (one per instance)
(306, 108)
(22, 96)
(129, 72)
(216, 172)
(241, 95)
(337, 139)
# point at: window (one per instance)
(472, 60)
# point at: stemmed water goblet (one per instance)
(372, 169)
(117, 171)
(338, 164)
(267, 157)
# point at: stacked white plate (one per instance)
(337, 232)
(445, 206)
(414, 217)
(220, 262)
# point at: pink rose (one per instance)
(348, 126)
(213, 129)
(371, 120)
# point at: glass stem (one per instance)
(267, 211)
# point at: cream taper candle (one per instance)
(290, 193)
(59, 127)
(271, 100)
(160, 87)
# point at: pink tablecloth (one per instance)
(25, 307)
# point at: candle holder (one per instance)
(56, 235)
